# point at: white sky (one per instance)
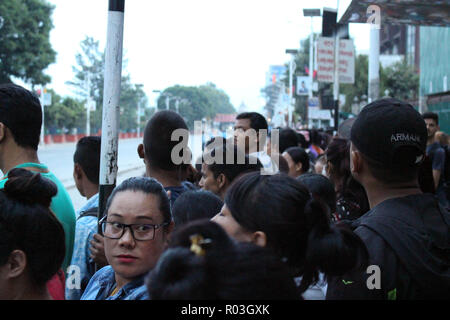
(190, 42)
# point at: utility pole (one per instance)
(292, 68)
(374, 64)
(111, 97)
(88, 105)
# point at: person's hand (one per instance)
(97, 250)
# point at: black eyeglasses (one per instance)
(139, 231)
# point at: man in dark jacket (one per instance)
(406, 232)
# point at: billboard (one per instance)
(303, 85)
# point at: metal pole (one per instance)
(138, 129)
(311, 56)
(374, 64)
(88, 106)
(167, 102)
(41, 100)
(177, 104)
(336, 81)
(290, 90)
(111, 96)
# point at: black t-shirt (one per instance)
(408, 238)
(437, 155)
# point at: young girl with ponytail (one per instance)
(278, 212)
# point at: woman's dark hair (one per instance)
(320, 187)
(241, 162)
(302, 141)
(297, 226)
(338, 154)
(147, 186)
(28, 224)
(287, 138)
(217, 268)
(299, 155)
(194, 205)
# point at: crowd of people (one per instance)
(283, 214)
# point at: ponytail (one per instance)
(331, 249)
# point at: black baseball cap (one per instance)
(391, 133)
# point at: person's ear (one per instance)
(2, 131)
(17, 262)
(356, 162)
(221, 181)
(259, 238)
(298, 167)
(77, 171)
(140, 151)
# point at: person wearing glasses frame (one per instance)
(135, 227)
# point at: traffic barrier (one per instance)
(72, 138)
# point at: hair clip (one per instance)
(197, 241)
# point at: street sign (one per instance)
(47, 99)
(91, 105)
(325, 60)
(346, 61)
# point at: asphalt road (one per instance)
(59, 159)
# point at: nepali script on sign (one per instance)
(325, 60)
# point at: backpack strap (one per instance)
(93, 212)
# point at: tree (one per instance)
(91, 65)
(359, 89)
(197, 102)
(400, 80)
(64, 113)
(25, 49)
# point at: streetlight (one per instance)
(311, 13)
(292, 67)
(138, 128)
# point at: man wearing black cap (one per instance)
(406, 232)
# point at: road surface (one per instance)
(59, 159)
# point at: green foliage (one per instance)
(196, 103)
(25, 49)
(359, 89)
(400, 80)
(67, 113)
(91, 64)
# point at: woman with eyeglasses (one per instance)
(135, 228)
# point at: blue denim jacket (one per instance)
(85, 229)
(103, 282)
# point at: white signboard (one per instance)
(325, 60)
(346, 61)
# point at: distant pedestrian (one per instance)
(298, 161)
(156, 150)
(222, 166)
(438, 157)
(194, 205)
